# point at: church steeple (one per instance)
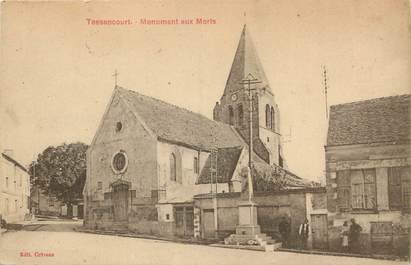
(234, 103)
(246, 61)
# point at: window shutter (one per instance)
(343, 189)
(394, 188)
(406, 187)
(369, 189)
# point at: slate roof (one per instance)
(178, 125)
(377, 120)
(227, 159)
(246, 61)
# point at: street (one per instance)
(55, 242)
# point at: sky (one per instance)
(56, 70)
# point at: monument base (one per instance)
(247, 229)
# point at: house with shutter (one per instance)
(368, 172)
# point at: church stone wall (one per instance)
(132, 139)
(185, 189)
(269, 137)
(266, 141)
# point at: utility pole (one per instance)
(250, 80)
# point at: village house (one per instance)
(14, 189)
(42, 204)
(149, 159)
(368, 164)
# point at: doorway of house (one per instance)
(319, 231)
(184, 218)
(208, 223)
(120, 193)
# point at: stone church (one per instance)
(149, 158)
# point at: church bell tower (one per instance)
(233, 107)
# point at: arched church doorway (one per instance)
(120, 199)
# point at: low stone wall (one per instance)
(142, 218)
(144, 227)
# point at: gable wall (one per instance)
(135, 141)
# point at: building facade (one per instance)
(42, 204)
(14, 189)
(148, 158)
(368, 164)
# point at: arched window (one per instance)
(267, 116)
(230, 115)
(272, 119)
(173, 167)
(240, 115)
(196, 167)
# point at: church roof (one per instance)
(171, 123)
(227, 159)
(180, 126)
(246, 61)
(384, 119)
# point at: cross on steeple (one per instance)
(115, 77)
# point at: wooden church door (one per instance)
(120, 202)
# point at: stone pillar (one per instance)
(247, 219)
(381, 181)
(197, 222)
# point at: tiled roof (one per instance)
(371, 121)
(171, 123)
(227, 159)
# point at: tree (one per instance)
(61, 171)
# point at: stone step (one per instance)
(266, 238)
